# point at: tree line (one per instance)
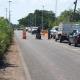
(49, 18)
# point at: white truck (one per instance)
(63, 31)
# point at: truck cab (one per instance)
(74, 37)
(63, 32)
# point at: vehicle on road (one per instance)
(38, 36)
(63, 31)
(26, 28)
(29, 29)
(34, 30)
(53, 31)
(74, 37)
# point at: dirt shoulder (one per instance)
(13, 70)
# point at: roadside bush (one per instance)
(6, 34)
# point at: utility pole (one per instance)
(75, 3)
(30, 20)
(35, 19)
(42, 16)
(56, 12)
(6, 13)
(56, 8)
(9, 12)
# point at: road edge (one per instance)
(24, 65)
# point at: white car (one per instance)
(53, 32)
(29, 29)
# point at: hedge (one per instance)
(6, 33)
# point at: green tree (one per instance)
(48, 19)
(68, 16)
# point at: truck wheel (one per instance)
(60, 40)
(69, 43)
(55, 39)
(51, 36)
(75, 44)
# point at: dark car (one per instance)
(34, 30)
(74, 37)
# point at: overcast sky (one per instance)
(21, 8)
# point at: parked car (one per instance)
(74, 37)
(53, 31)
(26, 28)
(34, 30)
(29, 29)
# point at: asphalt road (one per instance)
(49, 60)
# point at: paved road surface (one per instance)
(49, 60)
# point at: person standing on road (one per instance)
(39, 30)
(49, 35)
(38, 34)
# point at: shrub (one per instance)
(6, 34)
